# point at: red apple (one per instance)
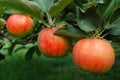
(19, 24)
(94, 55)
(53, 45)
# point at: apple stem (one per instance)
(102, 31)
(104, 35)
(51, 22)
(42, 21)
(97, 33)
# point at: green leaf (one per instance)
(24, 6)
(20, 48)
(73, 32)
(2, 56)
(58, 7)
(11, 48)
(116, 47)
(80, 5)
(70, 31)
(60, 23)
(100, 1)
(79, 2)
(115, 27)
(10, 11)
(116, 39)
(115, 15)
(45, 5)
(105, 10)
(107, 25)
(29, 53)
(37, 51)
(92, 16)
(118, 4)
(69, 17)
(1, 10)
(85, 25)
(68, 34)
(73, 29)
(85, 5)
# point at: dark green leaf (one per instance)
(29, 53)
(105, 10)
(85, 5)
(92, 16)
(66, 33)
(73, 29)
(24, 6)
(107, 25)
(70, 31)
(73, 32)
(2, 56)
(45, 5)
(79, 2)
(118, 1)
(70, 17)
(10, 11)
(11, 48)
(115, 15)
(60, 23)
(115, 27)
(116, 47)
(116, 39)
(37, 51)
(1, 10)
(85, 25)
(19, 48)
(100, 1)
(58, 7)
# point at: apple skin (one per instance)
(19, 24)
(53, 45)
(94, 55)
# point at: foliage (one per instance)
(60, 69)
(81, 18)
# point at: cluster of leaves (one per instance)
(83, 18)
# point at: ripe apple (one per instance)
(53, 45)
(94, 55)
(19, 24)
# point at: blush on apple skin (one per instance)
(19, 24)
(53, 45)
(93, 55)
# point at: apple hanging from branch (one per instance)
(53, 45)
(94, 55)
(19, 24)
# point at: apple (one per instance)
(19, 24)
(94, 55)
(53, 45)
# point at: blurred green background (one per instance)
(15, 67)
